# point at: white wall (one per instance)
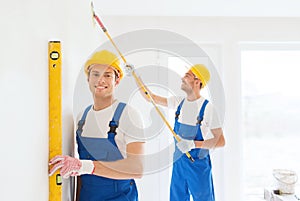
(27, 26)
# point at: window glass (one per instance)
(271, 117)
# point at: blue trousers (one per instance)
(192, 179)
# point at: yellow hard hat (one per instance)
(104, 57)
(201, 72)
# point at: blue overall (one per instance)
(97, 188)
(191, 178)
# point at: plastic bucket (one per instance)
(285, 180)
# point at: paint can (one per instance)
(285, 180)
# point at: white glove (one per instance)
(186, 145)
(128, 69)
(70, 166)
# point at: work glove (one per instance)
(70, 166)
(128, 68)
(185, 145)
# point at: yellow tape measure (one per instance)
(55, 117)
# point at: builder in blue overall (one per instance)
(109, 138)
(199, 128)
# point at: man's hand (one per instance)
(185, 145)
(70, 166)
(128, 69)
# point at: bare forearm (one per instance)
(128, 168)
(208, 144)
(217, 141)
(157, 99)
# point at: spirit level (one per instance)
(55, 117)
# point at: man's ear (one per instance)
(117, 81)
(198, 82)
(88, 76)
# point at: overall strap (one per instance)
(177, 113)
(114, 123)
(81, 122)
(118, 112)
(201, 113)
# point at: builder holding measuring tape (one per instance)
(193, 118)
(109, 138)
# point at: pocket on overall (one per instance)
(94, 155)
(187, 131)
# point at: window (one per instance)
(271, 115)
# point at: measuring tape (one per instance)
(55, 117)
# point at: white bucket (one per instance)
(285, 180)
